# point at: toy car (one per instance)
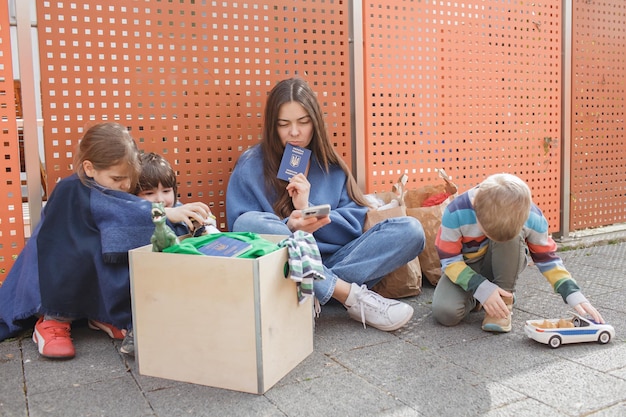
(578, 329)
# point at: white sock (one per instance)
(55, 318)
(354, 289)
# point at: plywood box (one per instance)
(223, 322)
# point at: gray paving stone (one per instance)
(569, 387)
(96, 360)
(12, 388)
(421, 370)
(340, 394)
(200, 401)
(117, 397)
(526, 408)
(618, 410)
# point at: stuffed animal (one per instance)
(163, 236)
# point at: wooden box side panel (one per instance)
(194, 319)
(286, 326)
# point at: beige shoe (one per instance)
(494, 324)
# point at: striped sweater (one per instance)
(459, 239)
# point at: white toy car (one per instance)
(578, 329)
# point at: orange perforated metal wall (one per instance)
(11, 220)
(471, 87)
(189, 78)
(598, 163)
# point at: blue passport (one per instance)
(225, 246)
(295, 161)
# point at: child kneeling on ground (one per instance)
(482, 243)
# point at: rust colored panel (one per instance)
(472, 87)
(598, 163)
(188, 78)
(11, 218)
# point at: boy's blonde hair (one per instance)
(502, 204)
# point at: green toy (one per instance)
(163, 236)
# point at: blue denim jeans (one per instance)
(366, 260)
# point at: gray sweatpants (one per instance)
(502, 265)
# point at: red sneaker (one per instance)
(112, 331)
(53, 339)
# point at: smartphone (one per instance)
(316, 211)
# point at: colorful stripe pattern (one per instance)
(460, 240)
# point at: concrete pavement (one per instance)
(423, 369)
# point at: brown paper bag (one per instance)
(405, 281)
(430, 217)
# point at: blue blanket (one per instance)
(75, 264)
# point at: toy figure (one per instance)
(163, 236)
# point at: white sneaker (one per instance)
(377, 311)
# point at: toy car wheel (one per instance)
(604, 338)
(554, 342)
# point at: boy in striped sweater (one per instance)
(483, 240)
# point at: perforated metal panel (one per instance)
(401, 91)
(598, 165)
(473, 87)
(188, 77)
(11, 221)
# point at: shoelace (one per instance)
(59, 332)
(366, 296)
(317, 307)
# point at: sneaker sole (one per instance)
(128, 352)
(95, 326)
(496, 329)
(40, 346)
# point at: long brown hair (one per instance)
(106, 145)
(297, 90)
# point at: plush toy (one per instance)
(163, 236)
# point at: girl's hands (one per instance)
(299, 189)
(186, 213)
(310, 225)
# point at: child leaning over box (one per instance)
(482, 244)
(75, 264)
